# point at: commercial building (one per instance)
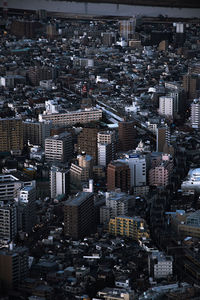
(13, 267)
(133, 227)
(127, 135)
(79, 215)
(73, 117)
(118, 176)
(59, 147)
(59, 181)
(159, 265)
(11, 132)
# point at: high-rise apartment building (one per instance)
(27, 209)
(159, 174)
(73, 117)
(127, 28)
(8, 221)
(13, 267)
(59, 181)
(195, 113)
(159, 265)
(87, 142)
(83, 171)
(191, 84)
(11, 133)
(167, 106)
(11, 185)
(118, 176)
(79, 215)
(38, 73)
(162, 138)
(59, 147)
(106, 144)
(127, 134)
(137, 166)
(133, 227)
(36, 132)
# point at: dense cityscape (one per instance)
(99, 157)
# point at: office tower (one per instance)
(10, 185)
(87, 142)
(59, 181)
(195, 113)
(36, 132)
(167, 106)
(127, 28)
(8, 222)
(162, 138)
(106, 144)
(59, 147)
(13, 267)
(127, 134)
(159, 265)
(137, 166)
(27, 209)
(11, 133)
(191, 84)
(83, 171)
(133, 227)
(79, 215)
(73, 117)
(118, 176)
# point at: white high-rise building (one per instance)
(137, 165)
(106, 144)
(59, 181)
(195, 113)
(159, 265)
(167, 106)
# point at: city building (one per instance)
(106, 144)
(73, 117)
(195, 114)
(79, 215)
(87, 142)
(127, 135)
(11, 132)
(118, 176)
(59, 147)
(159, 175)
(159, 265)
(8, 222)
(35, 133)
(137, 166)
(11, 185)
(127, 28)
(192, 182)
(133, 227)
(116, 205)
(83, 171)
(162, 138)
(167, 106)
(59, 181)
(13, 267)
(191, 84)
(116, 294)
(26, 209)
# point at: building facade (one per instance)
(118, 176)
